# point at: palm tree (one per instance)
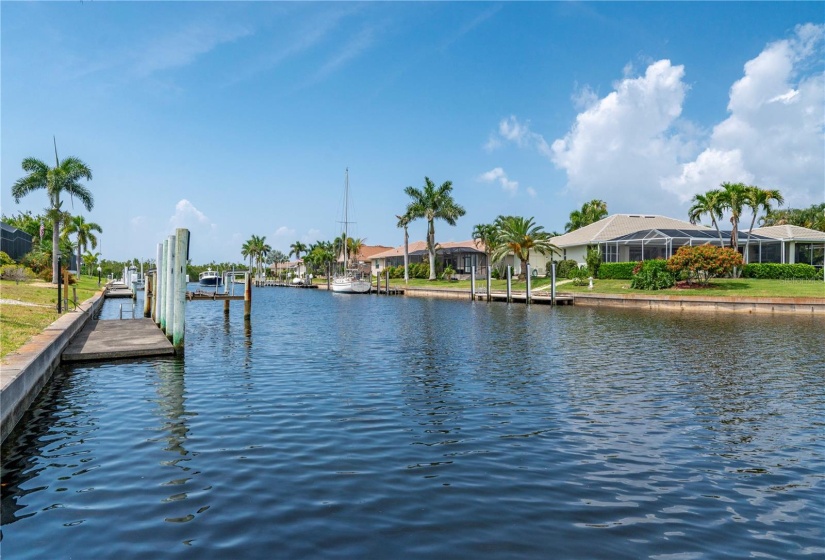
(247, 250)
(734, 197)
(521, 235)
(433, 203)
(709, 203)
(63, 178)
(263, 250)
(812, 218)
(355, 244)
(90, 259)
(590, 213)
(296, 249)
(78, 225)
(760, 199)
(403, 222)
(486, 234)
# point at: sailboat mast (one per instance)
(346, 216)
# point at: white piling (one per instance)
(509, 285)
(489, 282)
(472, 283)
(162, 285)
(170, 286)
(179, 316)
(527, 268)
(553, 284)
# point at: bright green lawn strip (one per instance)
(741, 287)
(18, 323)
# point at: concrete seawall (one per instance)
(797, 306)
(26, 371)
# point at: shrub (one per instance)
(565, 267)
(776, 271)
(16, 272)
(5, 259)
(580, 276)
(652, 275)
(616, 271)
(38, 261)
(495, 273)
(448, 273)
(420, 270)
(703, 262)
(594, 261)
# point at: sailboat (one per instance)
(349, 280)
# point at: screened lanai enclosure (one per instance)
(652, 244)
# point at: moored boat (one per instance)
(350, 279)
(209, 277)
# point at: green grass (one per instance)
(740, 287)
(18, 323)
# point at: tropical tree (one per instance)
(709, 203)
(62, 179)
(486, 234)
(84, 231)
(812, 218)
(90, 260)
(404, 222)
(521, 235)
(297, 249)
(760, 199)
(355, 244)
(734, 198)
(591, 212)
(247, 250)
(433, 203)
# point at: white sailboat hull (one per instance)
(348, 285)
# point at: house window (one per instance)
(610, 254)
(810, 253)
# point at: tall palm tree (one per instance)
(760, 199)
(248, 250)
(591, 212)
(296, 249)
(812, 218)
(263, 251)
(83, 229)
(734, 198)
(486, 234)
(709, 203)
(433, 203)
(522, 235)
(403, 222)
(58, 180)
(90, 259)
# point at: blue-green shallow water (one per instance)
(372, 427)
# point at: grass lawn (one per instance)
(745, 287)
(18, 323)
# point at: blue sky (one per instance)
(235, 119)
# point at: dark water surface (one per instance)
(338, 426)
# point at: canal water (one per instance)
(335, 426)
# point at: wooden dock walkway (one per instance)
(118, 291)
(115, 339)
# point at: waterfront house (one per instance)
(460, 255)
(637, 237)
(289, 269)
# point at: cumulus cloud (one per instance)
(187, 216)
(773, 135)
(628, 139)
(284, 231)
(518, 132)
(498, 175)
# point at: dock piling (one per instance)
(472, 283)
(179, 315)
(387, 283)
(247, 297)
(170, 287)
(553, 284)
(527, 268)
(509, 285)
(489, 282)
(147, 295)
(163, 275)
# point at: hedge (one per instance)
(777, 271)
(616, 271)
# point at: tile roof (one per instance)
(422, 246)
(797, 233)
(618, 225)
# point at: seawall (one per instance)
(797, 306)
(24, 372)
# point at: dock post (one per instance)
(66, 288)
(472, 283)
(247, 297)
(162, 285)
(378, 283)
(527, 299)
(156, 294)
(387, 283)
(147, 295)
(179, 315)
(553, 284)
(489, 282)
(509, 284)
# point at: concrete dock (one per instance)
(114, 339)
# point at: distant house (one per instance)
(365, 256)
(460, 255)
(16, 243)
(289, 269)
(637, 237)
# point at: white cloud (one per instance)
(284, 231)
(626, 141)
(532, 192)
(498, 175)
(517, 132)
(773, 136)
(187, 216)
(185, 45)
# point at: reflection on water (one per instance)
(369, 426)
